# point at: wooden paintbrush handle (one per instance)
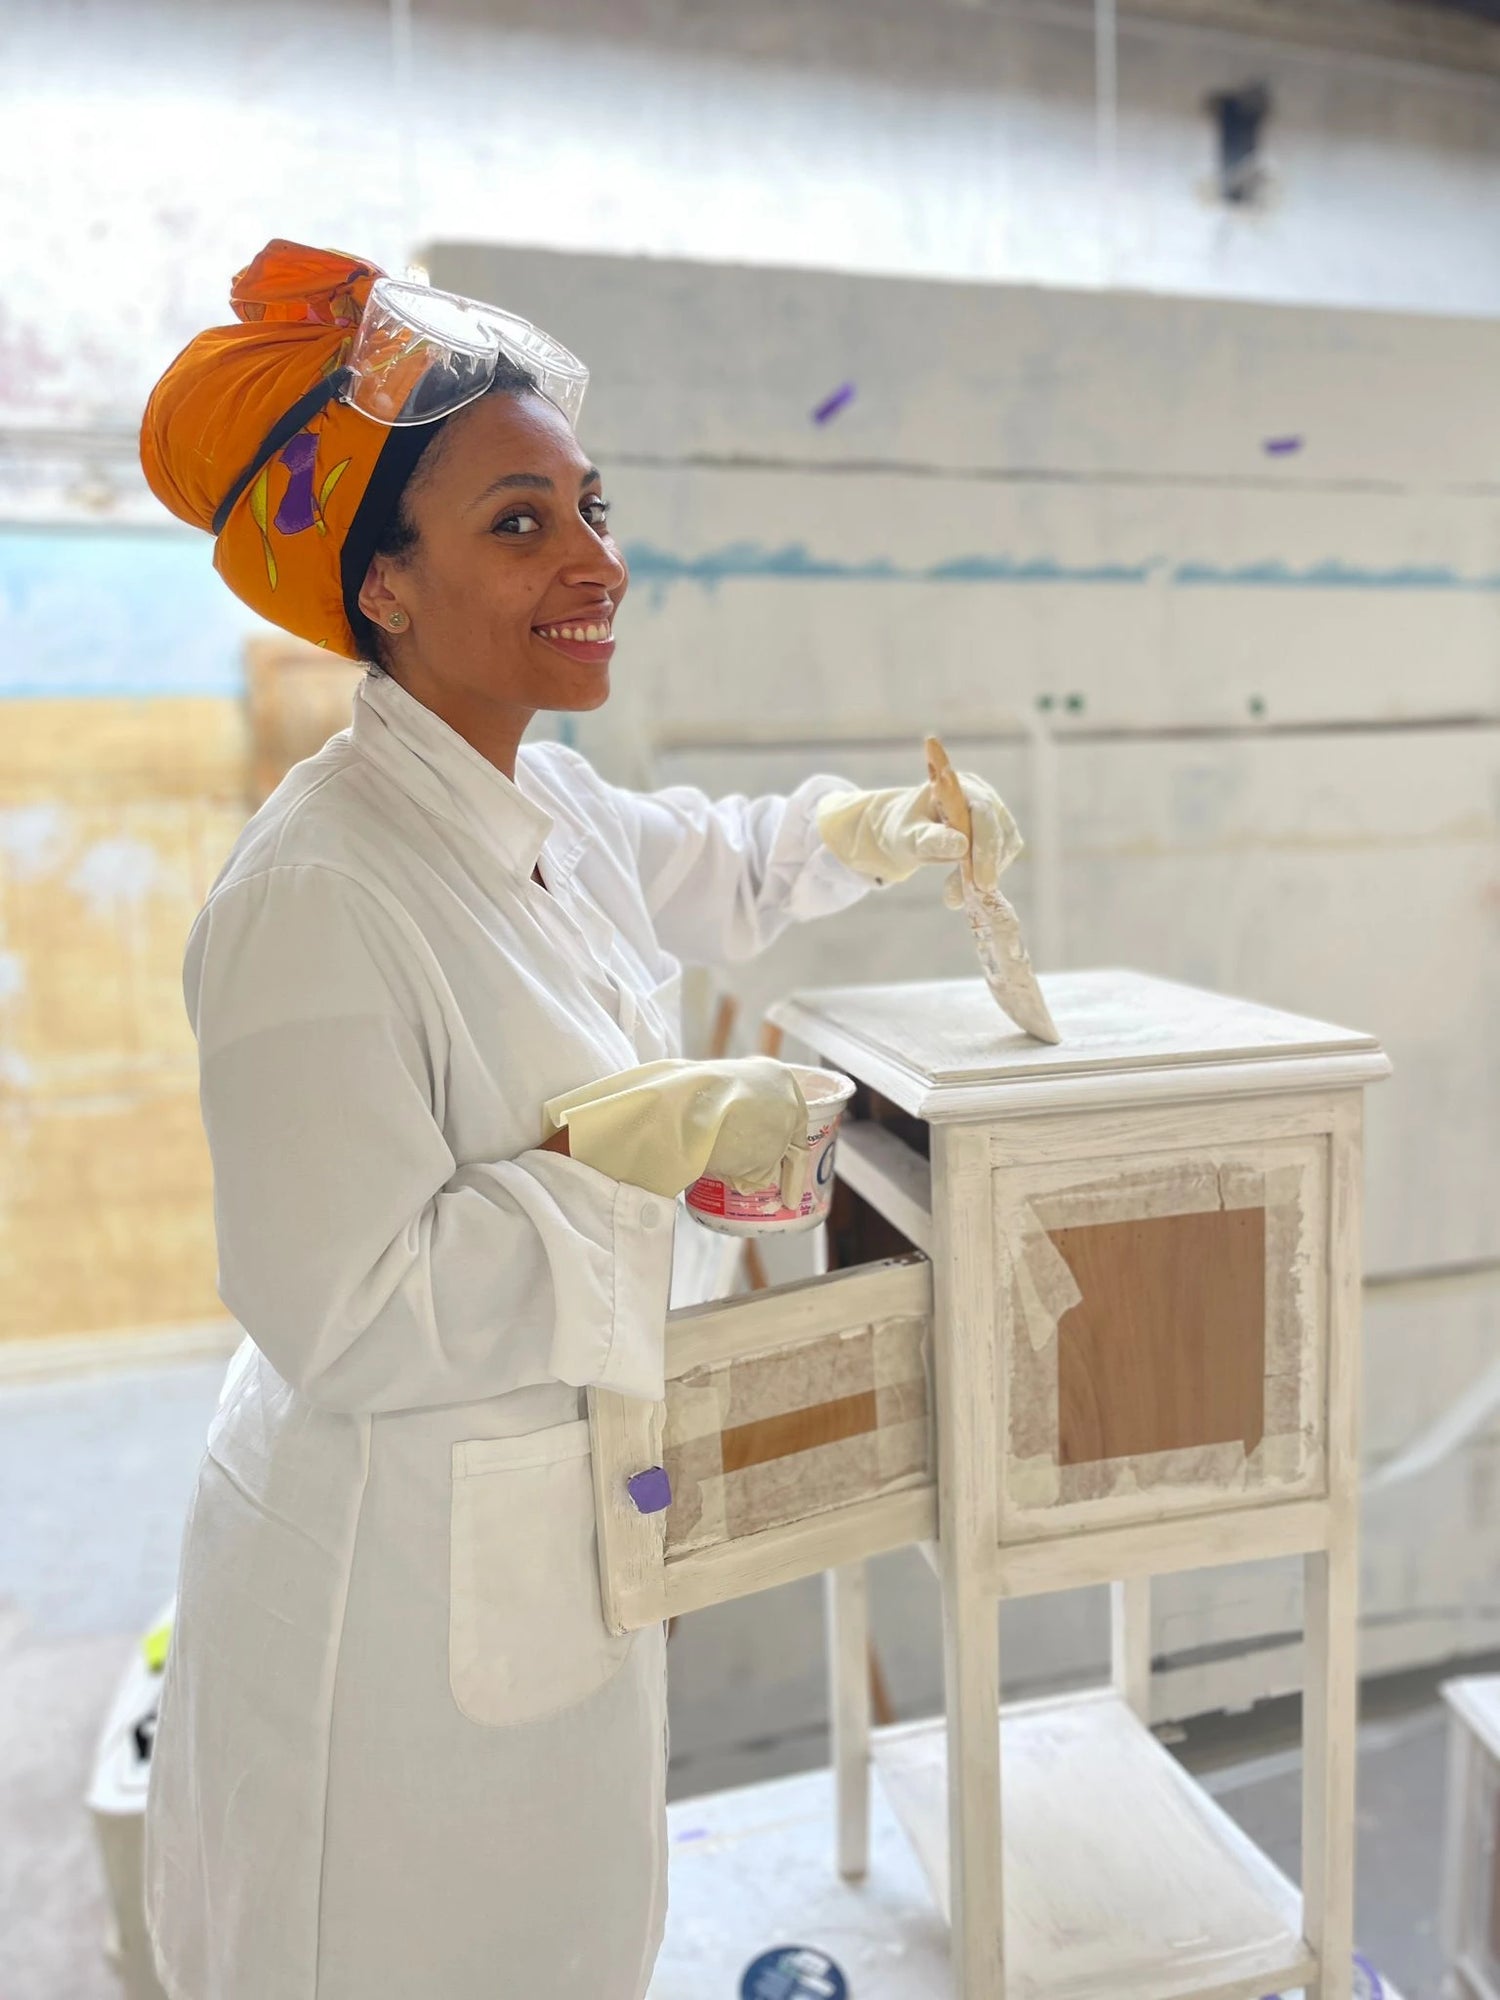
(953, 807)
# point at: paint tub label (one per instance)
(793, 1972)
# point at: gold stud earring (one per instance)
(396, 620)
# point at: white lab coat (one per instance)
(399, 1753)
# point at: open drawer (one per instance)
(796, 1435)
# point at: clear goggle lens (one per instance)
(421, 354)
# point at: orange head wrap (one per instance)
(242, 436)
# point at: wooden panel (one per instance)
(184, 747)
(1167, 1348)
(297, 697)
(115, 817)
(769, 1438)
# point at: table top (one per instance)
(1477, 1700)
(943, 1049)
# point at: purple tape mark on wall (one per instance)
(831, 405)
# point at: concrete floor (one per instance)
(95, 1472)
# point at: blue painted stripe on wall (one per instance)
(651, 565)
(107, 611)
(101, 611)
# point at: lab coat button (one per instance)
(650, 1215)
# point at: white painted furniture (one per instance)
(1136, 1303)
(1471, 1846)
(750, 1866)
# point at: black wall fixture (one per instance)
(1239, 118)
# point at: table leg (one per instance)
(1329, 1724)
(1130, 1643)
(846, 1603)
(971, 1680)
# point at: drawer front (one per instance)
(796, 1434)
(1163, 1328)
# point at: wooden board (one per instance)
(1120, 1874)
(115, 816)
(1166, 1349)
(754, 1866)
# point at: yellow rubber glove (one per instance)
(889, 835)
(664, 1124)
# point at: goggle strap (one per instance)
(281, 433)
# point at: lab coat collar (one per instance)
(445, 774)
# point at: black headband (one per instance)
(403, 446)
(318, 397)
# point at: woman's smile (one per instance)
(589, 640)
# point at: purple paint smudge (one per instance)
(694, 1833)
(296, 512)
(1280, 447)
(831, 405)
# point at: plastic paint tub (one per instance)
(763, 1212)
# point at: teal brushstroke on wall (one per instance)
(792, 562)
(1330, 575)
(660, 567)
(110, 611)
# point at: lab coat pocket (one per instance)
(526, 1636)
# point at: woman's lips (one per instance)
(588, 640)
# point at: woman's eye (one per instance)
(517, 524)
(596, 511)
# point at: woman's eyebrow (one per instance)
(535, 482)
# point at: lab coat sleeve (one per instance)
(724, 877)
(375, 1270)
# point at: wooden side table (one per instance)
(1125, 1343)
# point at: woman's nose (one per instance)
(593, 559)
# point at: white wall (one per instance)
(146, 150)
(1268, 761)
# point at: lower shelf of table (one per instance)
(1121, 1876)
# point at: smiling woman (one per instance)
(399, 1751)
(492, 594)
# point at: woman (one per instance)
(434, 992)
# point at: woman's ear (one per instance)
(378, 601)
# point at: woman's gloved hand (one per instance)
(662, 1125)
(889, 835)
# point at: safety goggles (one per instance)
(421, 354)
(418, 355)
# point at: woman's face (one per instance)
(511, 590)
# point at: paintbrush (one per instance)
(996, 928)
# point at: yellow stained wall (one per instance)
(115, 817)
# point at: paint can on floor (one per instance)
(793, 1972)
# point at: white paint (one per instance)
(116, 874)
(753, 1865)
(1121, 1874)
(1470, 1891)
(33, 839)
